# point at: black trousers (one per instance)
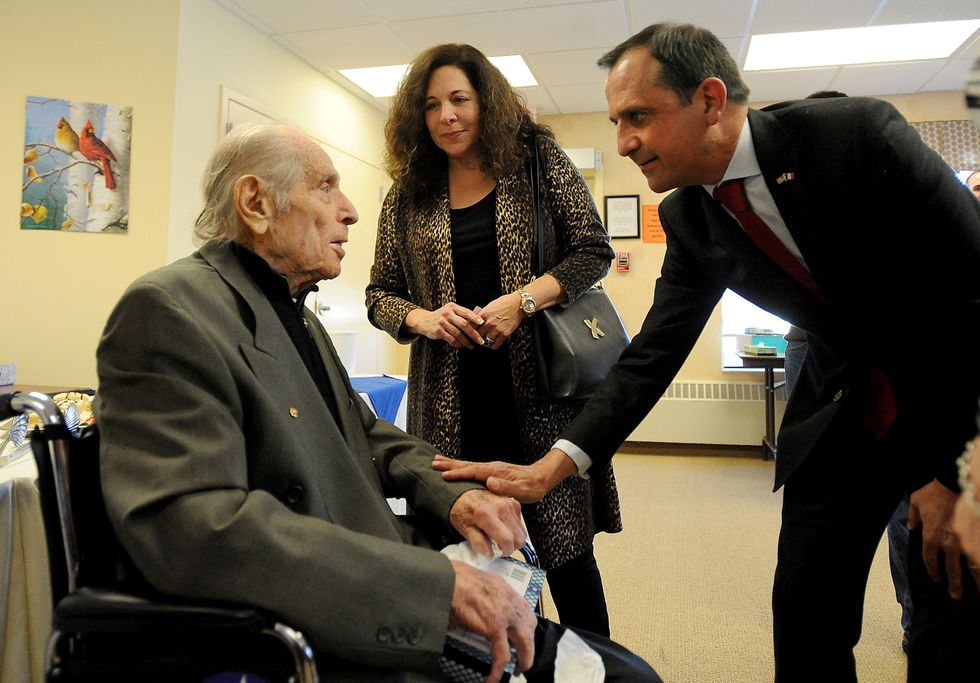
(835, 508)
(576, 588)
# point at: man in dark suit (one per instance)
(839, 219)
(239, 464)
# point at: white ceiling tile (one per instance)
(344, 48)
(521, 4)
(886, 79)
(574, 99)
(538, 100)
(787, 84)
(485, 32)
(561, 39)
(562, 27)
(953, 76)
(396, 10)
(782, 16)
(721, 18)
(300, 15)
(567, 67)
(913, 11)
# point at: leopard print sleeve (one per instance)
(581, 243)
(388, 298)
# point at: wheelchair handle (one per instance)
(17, 402)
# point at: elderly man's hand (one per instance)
(932, 507)
(482, 517)
(526, 483)
(485, 604)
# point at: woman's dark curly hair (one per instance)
(505, 126)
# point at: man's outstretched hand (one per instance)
(526, 483)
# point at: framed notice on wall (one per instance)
(623, 215)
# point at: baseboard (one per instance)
(708, 449)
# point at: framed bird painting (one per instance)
(76, 166)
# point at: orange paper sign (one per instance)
(652, 230)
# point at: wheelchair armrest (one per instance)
(101, 610)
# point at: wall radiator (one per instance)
(709, 412)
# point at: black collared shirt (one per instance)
(290, 312)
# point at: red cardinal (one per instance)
(96, 150)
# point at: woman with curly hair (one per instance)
(453, 276)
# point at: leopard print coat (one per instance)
(413, 268)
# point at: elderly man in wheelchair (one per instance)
(238, 464)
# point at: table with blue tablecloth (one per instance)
(386, 395)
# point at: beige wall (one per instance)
(633, 291)
(168, 60)
(59, 287)
(219, 49)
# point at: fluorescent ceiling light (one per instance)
(867, 45)
(378, 81)
(382, 81)
(515, 70)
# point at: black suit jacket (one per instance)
(892, 238)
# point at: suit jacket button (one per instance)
(399, 635)
(384, 634)
(414, 635)
(838, 395)
(294, 494)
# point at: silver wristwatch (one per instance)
(528, 305)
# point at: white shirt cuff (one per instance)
(578, 456)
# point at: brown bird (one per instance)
(96, 150)
(65, 137)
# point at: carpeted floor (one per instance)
(688, 581)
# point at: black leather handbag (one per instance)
(578, 343)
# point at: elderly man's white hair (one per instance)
(274, 152)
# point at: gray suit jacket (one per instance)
(226, 476)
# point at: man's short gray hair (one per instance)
(271, 151)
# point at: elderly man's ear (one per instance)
(254, 205)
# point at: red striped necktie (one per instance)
(880, 409)
(731, 194)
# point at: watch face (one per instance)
(528, 306)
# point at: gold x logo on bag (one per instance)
(593, 326)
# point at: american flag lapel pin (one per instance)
(785, 177)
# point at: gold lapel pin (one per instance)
(293, 412)
(593, 326)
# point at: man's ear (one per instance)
(253, 204)
(714, 95)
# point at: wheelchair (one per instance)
(108, 624)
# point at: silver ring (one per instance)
(487, 341)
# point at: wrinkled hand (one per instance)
(932, 507)
(485, 604)
(482, 517)
(500, 318)
(526, 483)
(452, 323)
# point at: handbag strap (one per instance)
(535, 172)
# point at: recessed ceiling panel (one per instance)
(302, 15)
(915, 11)
(720, 17)
(953, 76)
(538, 100)
(886, 79)
(485, 32)
(562, 27)
(567, 67)
(343, 48)
(397, 10)
(786, 16)
(789, 84)
(573, 99)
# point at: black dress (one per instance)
(488, 420)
